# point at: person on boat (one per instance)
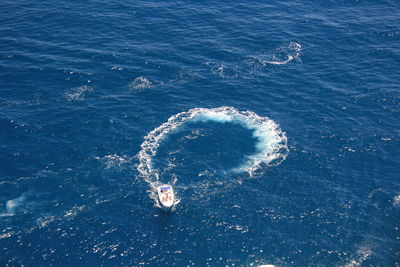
(167, 196)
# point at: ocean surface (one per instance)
(276, 122)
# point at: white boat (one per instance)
(166, 196)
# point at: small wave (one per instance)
(271, 146)
(78, 93)
(140, 83)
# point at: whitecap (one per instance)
(396, 201)
(74, 211)
(140, 83)
(271, 145)
(289, 58)
(363, 254)
(13, 205)
(7, 235)
(77, 93)
(44, 221)
(282, 55)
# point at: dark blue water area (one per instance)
(82, 83)
(204, 151)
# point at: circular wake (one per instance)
(271, 142)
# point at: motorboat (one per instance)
(166, 196)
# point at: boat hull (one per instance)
(166, 196)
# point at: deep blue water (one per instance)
(86, 88)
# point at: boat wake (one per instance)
(254, 65)
(283, 55)
(270, 148)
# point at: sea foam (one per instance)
(140, 83)
(284, 54)
(78, 93)
(13, 205)
(396, 201)
(271, 145)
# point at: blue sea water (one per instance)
(276, 122)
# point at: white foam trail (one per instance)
(291, 52)
(271, 146)
(289, 58)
